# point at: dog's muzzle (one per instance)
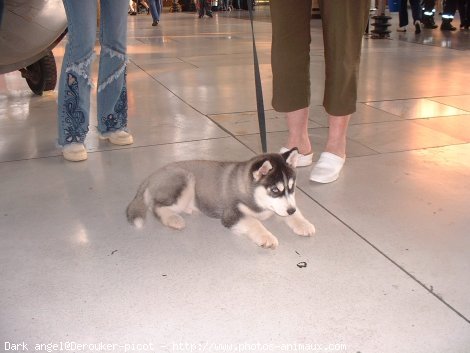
(291, 211)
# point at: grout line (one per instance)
(183, 61)
(129, 147)
(224, 129)
(230, 134)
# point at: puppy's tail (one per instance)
(137, 209)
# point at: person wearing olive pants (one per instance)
(344, 23)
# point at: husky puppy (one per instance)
(241, 194)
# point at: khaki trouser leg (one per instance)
(290, 54)
(344, 23)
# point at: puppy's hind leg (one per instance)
(174, 195)
(169, 217)
(186, 202)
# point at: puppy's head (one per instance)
(274, 182)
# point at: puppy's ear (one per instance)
(291, 157)
(263, 170)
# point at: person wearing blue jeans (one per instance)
(75, 82)
(155, 9)
(415, 13)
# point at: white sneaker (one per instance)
(120, 137)
(74, 152)
(303, 160)
(327, 168)
(401, 29)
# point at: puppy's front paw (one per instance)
(266, 240)
(301, 226)
(305, 228)
(252, 228)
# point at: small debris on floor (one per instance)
(302, 264)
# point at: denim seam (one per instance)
(81, 66)
(113, 53)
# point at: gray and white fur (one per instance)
(241, 194)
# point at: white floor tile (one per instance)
(399, 136)
(413, 207)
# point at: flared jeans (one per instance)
(75, 83)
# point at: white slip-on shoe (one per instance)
(74, 152)
(327, 168)
(303, 160)
(120, 137)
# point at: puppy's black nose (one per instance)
(291, 211)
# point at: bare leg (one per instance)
(338, 128)
(297, 123)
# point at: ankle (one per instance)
(338, 150)
(337, 131)
(303, 145)
(297, 123)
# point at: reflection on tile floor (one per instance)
(461, 102)
(417, 108)
(458, 40)
(386, 272)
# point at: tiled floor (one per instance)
(388, 270)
